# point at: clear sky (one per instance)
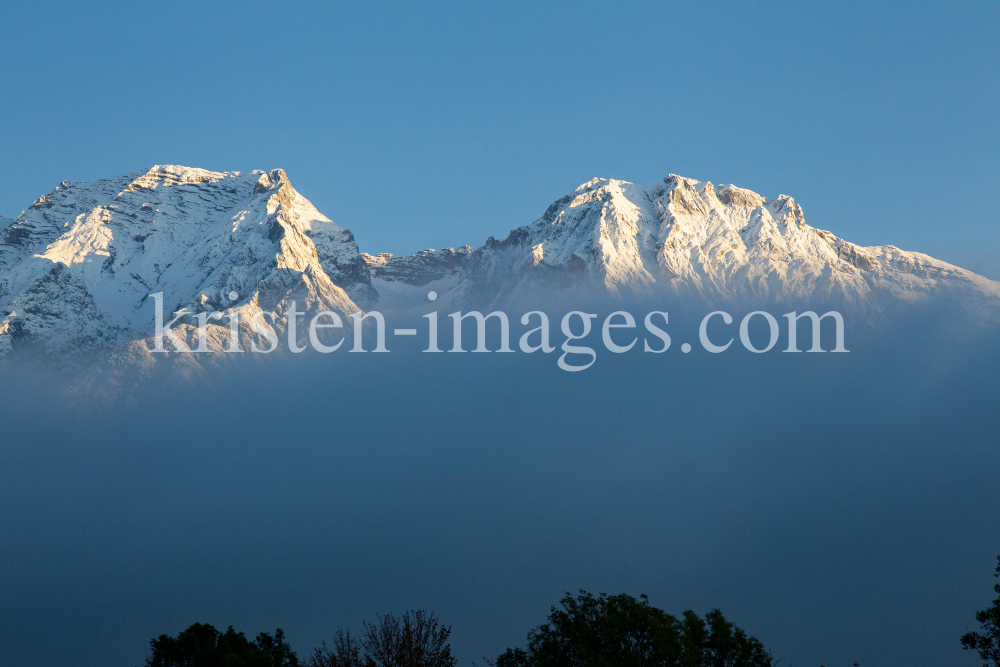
(431, 125)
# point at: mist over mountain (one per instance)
(836, 505)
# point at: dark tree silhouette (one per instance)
(621, 631)
(346, 652)
(201, 645)
(416, 639)
(987, 642)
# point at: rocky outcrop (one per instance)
(420, 269)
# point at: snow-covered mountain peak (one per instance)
(167, 175)
(683, 236)
(81, 262)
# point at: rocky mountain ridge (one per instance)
(78, 267)
(682, 237)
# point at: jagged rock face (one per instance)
(77, 267)
(724, 244)
(420, 269)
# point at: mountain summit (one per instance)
(77, 268)
(721, 243)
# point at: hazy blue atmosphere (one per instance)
(435, 125)
(840, 507)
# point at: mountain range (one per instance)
(78, 267)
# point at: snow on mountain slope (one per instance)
(402, 283)
(680, 236)
(76, 269)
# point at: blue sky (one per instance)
(432, 125)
